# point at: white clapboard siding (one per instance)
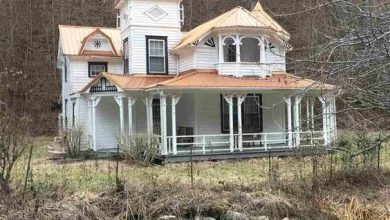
(274, 115)
(186, 62)
(206, 57)
(171, 17)
(107, 123)
(277, 58)
(79, 70)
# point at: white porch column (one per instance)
(312, 101)
(325, 131)
(262, 51)
(221, 58)
(308, 114)
(148, 101)
(240, 100)
(130, 104)
(289, 120)
(95, 102)
(229, 100)
(89, 116)
(297, 120)
(119, 101)
(175, 100)
(238, 48)
(334, 117)
(163, 123)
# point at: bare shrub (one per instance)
(140, 149)
(13, 141)
(72, 141)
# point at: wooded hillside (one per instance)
(30, 84)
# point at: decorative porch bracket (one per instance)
(229, 100)
(94, 103)
(175, 100)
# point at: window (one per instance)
(157, 55)
(74, 114)
(126, 55)
(250, 50)
(229, 50)
(94, 68)
(156, 116)
(251, 114)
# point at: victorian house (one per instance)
(220, 90)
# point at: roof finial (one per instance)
(258, 7)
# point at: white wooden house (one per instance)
(219, 89)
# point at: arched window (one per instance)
(229, 50)
(250, 50)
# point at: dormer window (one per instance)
(94, 68)
(157, 55)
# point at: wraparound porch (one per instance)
(193, 122)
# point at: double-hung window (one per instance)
(94, 68)
(157, 55)
(251, 114)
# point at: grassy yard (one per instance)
(341, 188)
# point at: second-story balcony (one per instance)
(243, 56)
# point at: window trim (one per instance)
(65, 70)
(222, 101)
(165, 40)
(96, 63)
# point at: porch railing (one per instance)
(219, 143)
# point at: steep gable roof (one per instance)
(235, 18)
(72, 38)
(259, 13)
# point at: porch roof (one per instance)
(208, 79)
(211, 79)
(128, 82)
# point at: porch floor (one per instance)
(272, 151)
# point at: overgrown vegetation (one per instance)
(13, 141)
(72, 141)
(140, 149)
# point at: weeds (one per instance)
(139, 149)
(72, 141)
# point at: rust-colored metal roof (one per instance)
(128, 82)
(208, 79)
(73, 37)
(211, 79)
(235, 18)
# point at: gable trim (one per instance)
(96, 31)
